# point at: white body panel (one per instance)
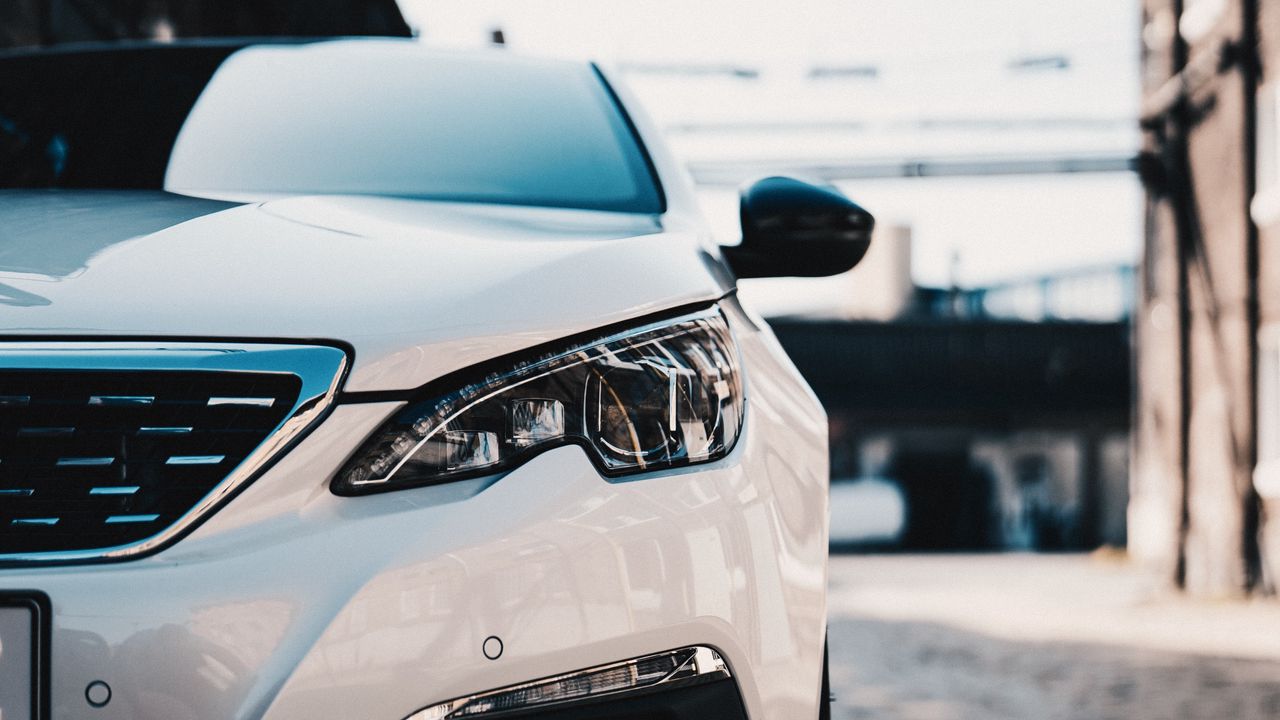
(418, 288)
(293, 603)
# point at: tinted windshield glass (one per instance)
(347, 117)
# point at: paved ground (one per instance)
(1014, 637)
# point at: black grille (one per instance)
(98, 459)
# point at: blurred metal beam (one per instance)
(735, 173)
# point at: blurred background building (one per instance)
(1206, 471)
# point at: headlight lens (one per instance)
(662, 396)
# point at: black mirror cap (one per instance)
(791, 228)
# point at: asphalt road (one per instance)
(1005, 637)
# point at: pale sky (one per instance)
(923, 79)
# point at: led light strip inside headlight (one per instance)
(665, 395)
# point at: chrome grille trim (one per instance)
(321, 369)
(243, 401)
(45, 431)
(121, 400)
(115, 519)
(164, 430)
(195, 459)
(85, 461)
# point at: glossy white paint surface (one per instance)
(291, 603)
(295, 603)
(418, 288)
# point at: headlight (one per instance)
(665, 395)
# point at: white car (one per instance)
(354, 379)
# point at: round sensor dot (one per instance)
(98, 693)
(492, 647)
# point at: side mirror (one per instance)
(794, 228)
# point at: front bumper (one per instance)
(294, 603)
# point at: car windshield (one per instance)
(352, 117)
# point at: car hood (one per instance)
(418, 288)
